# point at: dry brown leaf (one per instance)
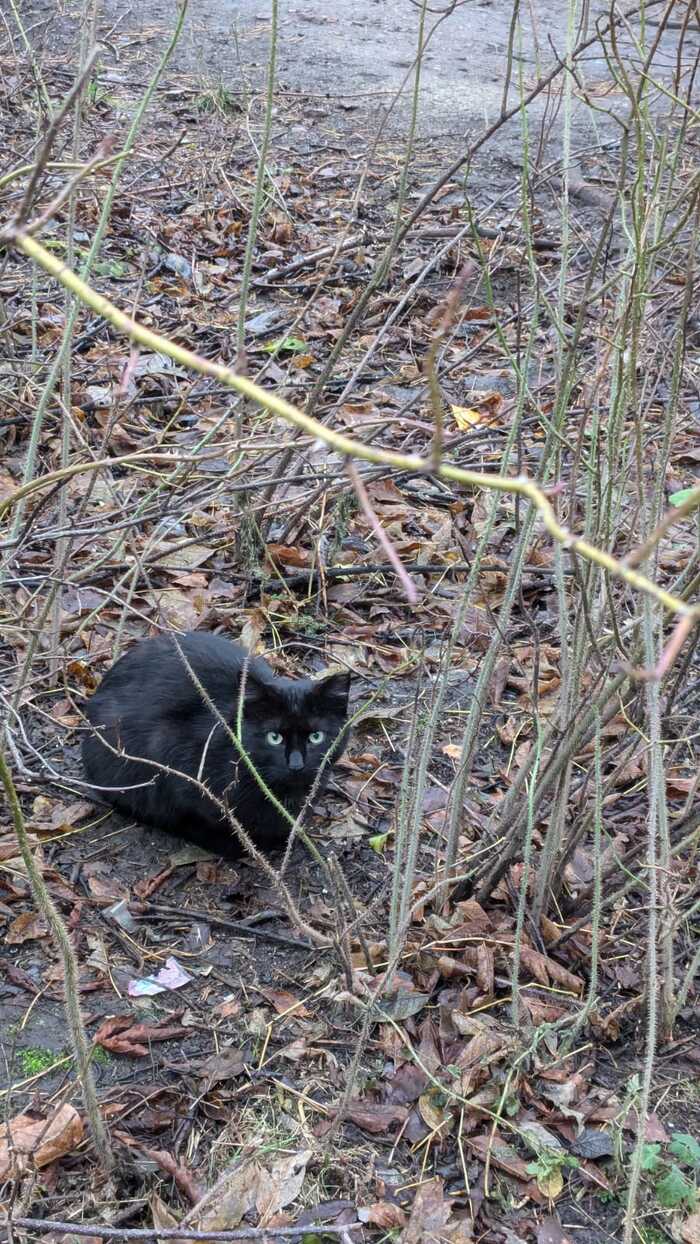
(192, 555)
(430, 1218)
(550, 1231)
(9, 852)
(543, 1012)
(183, 1177)
(288, 555)
(281, 1184)
(102, 883)
(546, 970)
(472, 919)
(285, 1003)
(25, 928)
(485, 975)
(385, 492)
(255, 624)
(228, 1009)
(121, 1035)
(429, 1214)
(70, 814)
(690, 1230)
(233, 1201)
(512, 728)
(7, 485)
(28, 1142)
(466, 417)
(295, 1051)
(182, 611)
(375, 1118)
(452, 750)
(161, 1214)
(501, 1154)
(226, 1065)
(434, 1115)
(383, 1214)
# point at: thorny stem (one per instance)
(656, 804)
(76, 1028)
(261, 174)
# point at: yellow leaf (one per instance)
(551, 1184)
(452, 750)
(465, 417)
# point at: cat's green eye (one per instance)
(317, 737)
(274, 738)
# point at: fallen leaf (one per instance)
(551, 1183)
(161, 1214)
(183, 1177)
(102, 883)
(228, 1009)
(654, 1129)
(375, 1118)
(550, 1231)
(430, 1215)
(690, 1230)
(253, 628)
(121, 1035)
(593, 1144)
(288, 555)
(537, 1137)
(383, 1214)
(149, 885)
(69, 814)
(281, 1184)
(27, 1142)
(25, 928)
(192, 555)
(500, 1153)
(285, 1003)
(181, 611)
(225, 1065)
(466, 417)
(434, 1115)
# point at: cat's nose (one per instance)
(296, 760)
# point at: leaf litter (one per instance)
(239, 1078)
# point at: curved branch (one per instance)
(516, 485)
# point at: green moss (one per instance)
(35, 1060)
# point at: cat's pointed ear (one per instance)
(333, 691)
(257, 691)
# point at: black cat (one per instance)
(148, 706)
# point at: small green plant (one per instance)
(548, 1169)
(101, 1056)
(652, 1235)
(35, 1060)
(345, 508)
(294, 345)
(673, 1170)
(308, 625)
(217, 99)
(96, 93)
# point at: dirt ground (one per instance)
(252, 1052)
(349, 60)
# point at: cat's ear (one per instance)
(258, 692)
(333, 691)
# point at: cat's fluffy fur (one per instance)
(148, 706)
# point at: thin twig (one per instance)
(44, 1225)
